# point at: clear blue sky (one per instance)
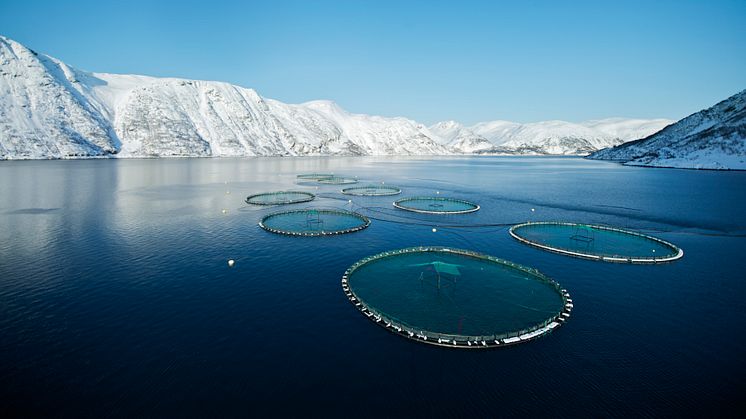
(464, 60)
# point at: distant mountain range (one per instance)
(714, 138)
(49, 109)
(548, 137)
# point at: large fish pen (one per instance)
(312, 222)
(279, 198)
(314, 176)
(336, 180)
(456, 298)
(372, 190)
(436, 205)
(596, 242)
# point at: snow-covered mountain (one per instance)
(627, 129)
(51, 110)
(547, 137)
(714, 138)
(459, 138)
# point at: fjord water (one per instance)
(116, 298)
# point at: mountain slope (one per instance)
(714, 138)
(459, 138)
(627, 129)
(51, 110)
(543, 138)
(42, 114)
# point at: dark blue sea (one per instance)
(116, 299)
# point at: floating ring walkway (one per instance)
(314, 176)
(337, 180)
(456, 298)
(314, 222)
(436, 205)
(372, 190)
(596, 242)
(280, 198)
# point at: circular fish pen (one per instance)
(372, 190)
(314, 176)
(279, 198)
(313, 222)
(436, 205)
(456, 298)
(337, 180)
(596, 242)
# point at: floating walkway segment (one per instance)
(464, 341)
(436, 205)
(596, 242)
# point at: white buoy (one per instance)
(227, 192)
(437, 192)
(350, 201)
(434, 230)
(533, 209)
(231, 262)
(224, 211)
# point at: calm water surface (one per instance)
(116, 298)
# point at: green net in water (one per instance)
(279, 198)
(337, 180)
(314, 222)
(372, 190)
(455, 297)
(436, 205)
(314, 176)
(596, 242)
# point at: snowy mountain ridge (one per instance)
(546, 137)
(713, 138)
(49, 109)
